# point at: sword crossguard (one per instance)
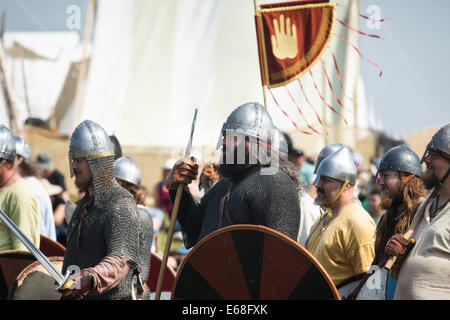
(66, 283)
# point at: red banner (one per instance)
(291, 37)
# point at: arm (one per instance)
(26, 215)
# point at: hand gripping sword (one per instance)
(60, 279)
(176, 206)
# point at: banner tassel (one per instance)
(314, 109)
(300, 111)
(287, 116)
(371, 62)
(323, 99)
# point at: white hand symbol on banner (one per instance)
(284, 42)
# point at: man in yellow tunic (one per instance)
(17, 199)
(343, 240)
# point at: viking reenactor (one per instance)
(17, 199)
(257, 186)
(28, 171)
(402, 192)
(425, 272)
(129, 176)
(343, 239)
(103, 237)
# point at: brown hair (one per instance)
(413, 194)
(139, 196)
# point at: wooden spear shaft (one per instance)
(173, 219)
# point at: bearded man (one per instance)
(402, 192)
(343, 239)
(257, 186)
(425, 271)
(103, 235)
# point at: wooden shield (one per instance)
(51, 248)
(169, 278)
(243, 262)
(35, 283)
(12, 262)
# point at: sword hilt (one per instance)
(66, 284)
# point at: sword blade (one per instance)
(54, 273)
(189, 146)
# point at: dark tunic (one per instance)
(269, 200)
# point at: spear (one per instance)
(173, 219)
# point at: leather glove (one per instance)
(183, 171)
(80, 284)
(396, 245)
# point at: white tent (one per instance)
(154, 62)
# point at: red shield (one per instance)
(243, 262)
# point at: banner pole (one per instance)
(257, 42)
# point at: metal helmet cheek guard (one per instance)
(401, 158)
(89, 140)
(338, 165)
(22, 148)
(440, 141)
(127, 170)
(326, 151)
(7, 144)
(250, 119)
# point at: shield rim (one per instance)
(263, 229)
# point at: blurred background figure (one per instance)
(375, 209)
(58, 205)
(53, 175)
(129, 176)
(157, 217)
(29, 171)
(161, 194)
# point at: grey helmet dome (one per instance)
(401, 158)
(338, 165)
(326, 151)
(440, 142)
(7, 143)
(250, 119)
(22, 148)
(89, 140)
(126, 169)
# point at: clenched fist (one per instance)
(183, 171)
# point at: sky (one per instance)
(414, 54)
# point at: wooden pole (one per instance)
(83, 64)
(257, 41)
(8, 91)
(173, 219)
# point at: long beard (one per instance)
(234, 171)
(430, 181)
(388, 201)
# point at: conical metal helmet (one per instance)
(22, 148)
(326, 151)
(440, 142)
(127, 170)
(338, 165)
(89, 140)
(250, 119)
(401, 158)
(7, 144)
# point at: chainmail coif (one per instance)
(109, 227)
